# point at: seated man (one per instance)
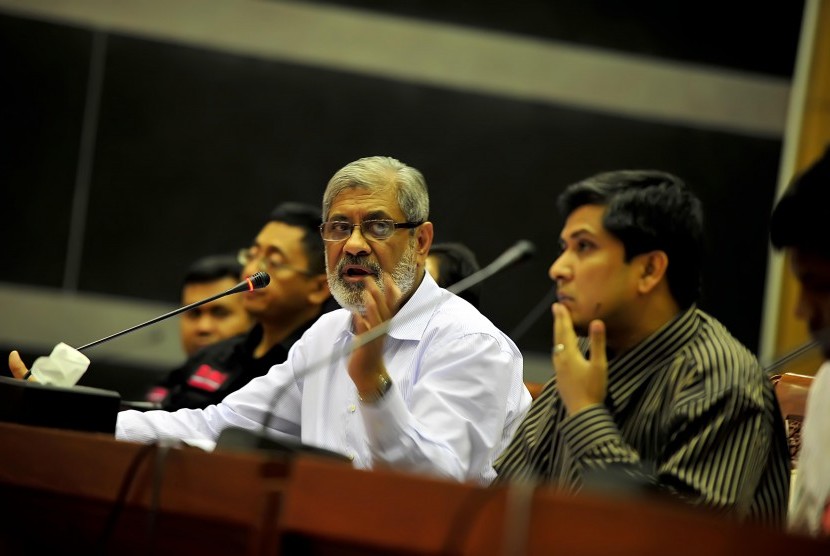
(290, 249)
(451, 262)
(798, 225)
(220, 319)
(440, 393)
(662, 396)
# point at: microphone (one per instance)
(542, 306)
(251, 283)
(233, 438)
(795, 353)
(66, 365)
(54, 400)
(520, 251)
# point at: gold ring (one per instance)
(558, 348)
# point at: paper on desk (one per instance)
(206, 445)
(63, 367)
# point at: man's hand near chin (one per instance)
(366, 362)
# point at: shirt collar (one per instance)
(412, 319)
(628, 371)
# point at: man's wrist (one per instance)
(374, 394)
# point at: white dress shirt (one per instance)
(457, 394)
(810, 506)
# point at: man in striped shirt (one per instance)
(648, 390)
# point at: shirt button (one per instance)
(352, 408)
(351, 457)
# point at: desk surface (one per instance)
(86, 493)
(83, 487)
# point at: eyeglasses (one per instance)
(269, 262)
(371, 229)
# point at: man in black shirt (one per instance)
(290, 249)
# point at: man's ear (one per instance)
(423, 241)
(653, 266)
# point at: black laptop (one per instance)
(79, 408)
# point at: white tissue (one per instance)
(64, 367)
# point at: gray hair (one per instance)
(377, 173)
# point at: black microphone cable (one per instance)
(533, 315)
(154, 510)
(121, 498)
(161, 449)
(795, 353)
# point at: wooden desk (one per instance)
(60, 490)
(334, 510)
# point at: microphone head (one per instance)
(260, 280)
(525, 249)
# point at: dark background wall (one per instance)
(193, 146)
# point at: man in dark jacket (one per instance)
(289, 248)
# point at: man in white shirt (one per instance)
(799, 226)
(440, 393)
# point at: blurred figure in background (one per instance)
(450, 262)
(220, 319)
(799, 226)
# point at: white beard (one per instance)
(350, 294)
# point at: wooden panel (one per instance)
(381, 512)
(63, 491)
(89, 489)
(337, 510)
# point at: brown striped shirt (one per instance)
(688, 410)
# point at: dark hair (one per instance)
(455, 262)
(798, 219)
(307, 217)
(212, 268)
(648, 210)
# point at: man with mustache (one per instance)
(657, 393)
(440, 393)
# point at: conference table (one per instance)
(68, 492)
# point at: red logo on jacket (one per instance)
(207, 378)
